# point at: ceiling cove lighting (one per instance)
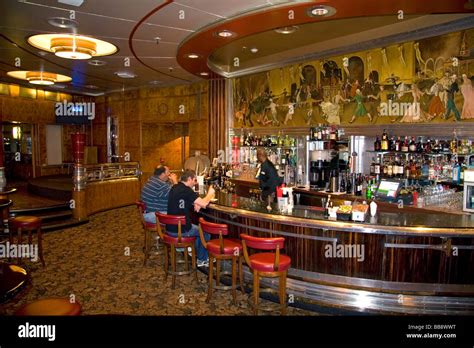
(287, 30)
(321, 11)
(72, 46)
(39, 77)
(225, 33)
(193, 56)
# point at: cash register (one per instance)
(388, 190)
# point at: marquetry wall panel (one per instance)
(217, 116)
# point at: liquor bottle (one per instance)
(413, 170)
(319, 134)
(384, 142)
(454, 143)
(349, 183)
(342, 186)
(242, 137)
(407, 170)
(311, 133)
(396, 166)
(389, 169)
(436, 147)
(368, 193)
(333, 134)
(412, 145)
(377, 166)
(377, 144)
(428, 148)
(359, 185)
(372, 167)
(419, 145)
(398, 144)
(404, 147)
(391, 143)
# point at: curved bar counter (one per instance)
(396, 262)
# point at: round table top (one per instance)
(5, 203)
(8, 190)
(12, 279)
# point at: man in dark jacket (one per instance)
(267, 175)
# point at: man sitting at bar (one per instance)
(267, 176)
(155, 192)
(182, 199)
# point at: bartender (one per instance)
(267, 176)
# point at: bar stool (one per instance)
(28, 224)
(50, 306)
(267, 264)
(221, 249)
(171, 243)
(149, 229)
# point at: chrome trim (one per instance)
(348, 226)
(359, 300)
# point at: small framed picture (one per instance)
(214, 162)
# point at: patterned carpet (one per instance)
(91, 262)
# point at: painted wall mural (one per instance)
(430, 80)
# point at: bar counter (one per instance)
(396, 262)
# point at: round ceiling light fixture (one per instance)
(61, 22)
(321, 11)
(39, 77)
(225, 33)
(204, 73)
(287, 30)
(72, 46)
(254, 50)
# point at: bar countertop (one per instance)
(396, 222)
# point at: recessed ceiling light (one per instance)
(42, 53)
(154, 82)
(254, 50)
(91, 86)
(96, 62)
(193, 56)
(39, 77)
(72, 46)
(287, 30)
(61, 22)
(321, 11)
(125, 74)
(225, 33)
(58, 86)
(204, 73)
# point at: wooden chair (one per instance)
(149, 232)
(221, 249)
(27, 224)
(172, 243)
(267, 264)
(50, 307)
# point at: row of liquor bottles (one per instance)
(421, 145)
(324, 133)
(416, 167)
(280, 140)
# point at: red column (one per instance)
(78, 144)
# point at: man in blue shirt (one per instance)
(155, 192)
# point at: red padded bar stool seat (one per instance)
(50, 306)
(265, 262)
(230, 246)
(174, 240)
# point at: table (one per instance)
(12, 280)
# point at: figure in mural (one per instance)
(467, 91)
(240, 114)
(436, 107)
(273, 112)
(354, 87)
(451, 106)
(414, 113)
(382, 97)
(443, 92)
(360, 109)
(346, 89)
(290, 112)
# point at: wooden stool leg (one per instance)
(186, 260)
(211, 273)
(40, 246)
(173, 266)
(166, 263)
(241, 274)
(218, 271)
(234, 279)
(282, 288)
(256, 292)
(193, 252)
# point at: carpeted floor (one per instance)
(101, 265)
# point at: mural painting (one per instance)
(430, 80)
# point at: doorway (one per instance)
(17, 150)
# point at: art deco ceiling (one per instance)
(181, 26)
